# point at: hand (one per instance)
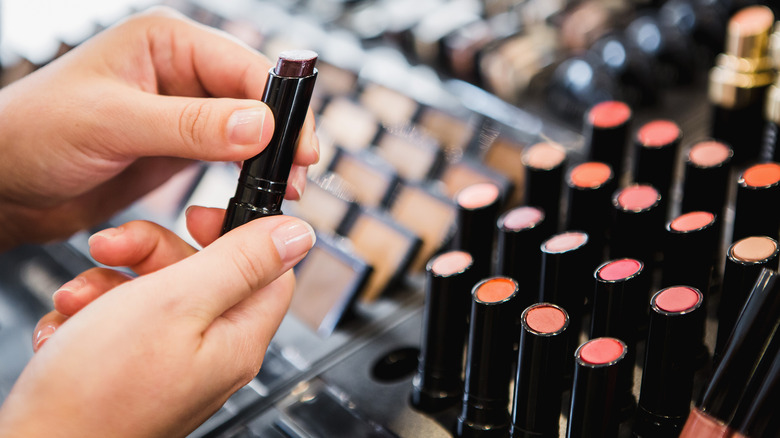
(155, 356)
(121, 113)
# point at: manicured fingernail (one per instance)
(108, 233)
(245, 126)
(42, 335)
(292, 239)
(72, 286)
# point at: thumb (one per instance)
(210, 129)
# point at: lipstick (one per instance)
(739, 80)
(706, 177)
(637, 223)
(536, 403)
(438, 383)
(477, 209)
(606, 133)
(567, 264)
(263, 178)
(520, 232)
(594, 409)
(745, 259)
(492, 334)
(591, 185)
(619, 307)
(690, 245)
(667, 378)
(544, 164)
(657, 143)
(741, 354)
(758, 189)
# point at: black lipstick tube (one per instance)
(745, 259)
(489, 359)
(591, 185)
(619, 302)
(536, 404)
(595, 395)
(657, 143)
(744, 349)
(606, 133)
(477, 208)
(705, 184)
(690, 244)
(758, 192)
(263, 178)
(520, 232)
(761, 418)
(438, 383)
(667, 377)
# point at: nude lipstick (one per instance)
(520, 232)
(706, 177)
(536, 404)
(477, 208)
(438, 383)
(745, 259)
(263, 178)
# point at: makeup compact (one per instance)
(327, 204)
(390, 107)
(369, 178)
(415, 155)
(384, 244)
(428, 215)
(505, 156)
(328, 280)
(348, 124)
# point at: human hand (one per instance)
(155, 356)
(112, 119)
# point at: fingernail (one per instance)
(108, 233)
(42, 335)
(72, 286)
(292, 239)
(245, 126)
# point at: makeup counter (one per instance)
(618, 149)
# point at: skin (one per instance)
(155, 355)
(117, 116)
